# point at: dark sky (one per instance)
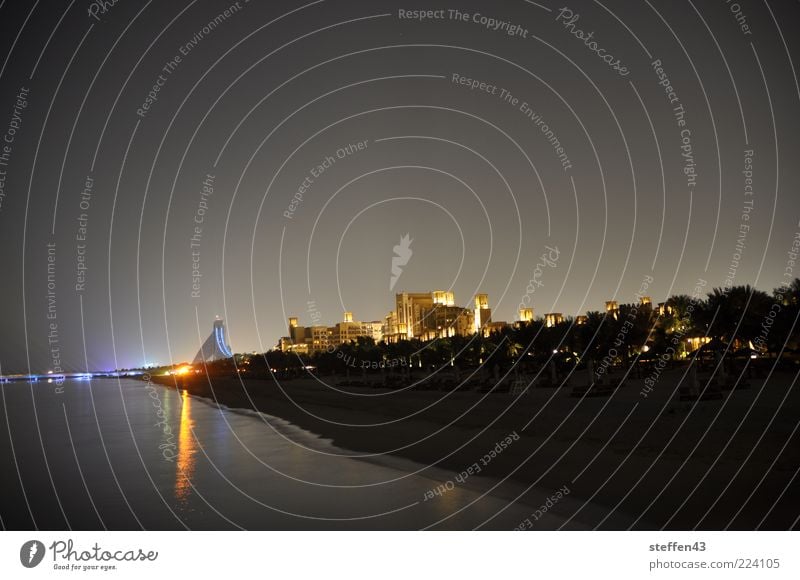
(262, 97)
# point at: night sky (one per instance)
(273, 155)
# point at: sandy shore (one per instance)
(645, 461)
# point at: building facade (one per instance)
(429, 315)
(310, 339)
(421, 315)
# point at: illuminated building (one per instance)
(483, 314)
(429, 315)
(552, 319)
(296, 341)
(443, 298)
(412, 311)
(216, 345)
(392, 329)
(321, 338)
(448, 321)
(349, 330)
(308, 339)
(373, 329)
(491, 327)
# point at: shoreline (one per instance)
(439, 475)
(585, 444)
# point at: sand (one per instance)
(628, 460)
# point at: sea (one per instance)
(114, 454)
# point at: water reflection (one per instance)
(254, 476)
(187, 448)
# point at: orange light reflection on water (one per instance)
(186, 450)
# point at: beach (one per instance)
(628, 460)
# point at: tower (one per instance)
(552, 319)
(483, 314)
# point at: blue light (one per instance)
(221, 343)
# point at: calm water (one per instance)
(100, 455)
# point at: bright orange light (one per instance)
(183, 370)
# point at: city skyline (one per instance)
(524, 313)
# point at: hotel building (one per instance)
(429, 315)
(421, 315)
(309, 339)
(425, 316)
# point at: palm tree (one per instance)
(739, 312)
